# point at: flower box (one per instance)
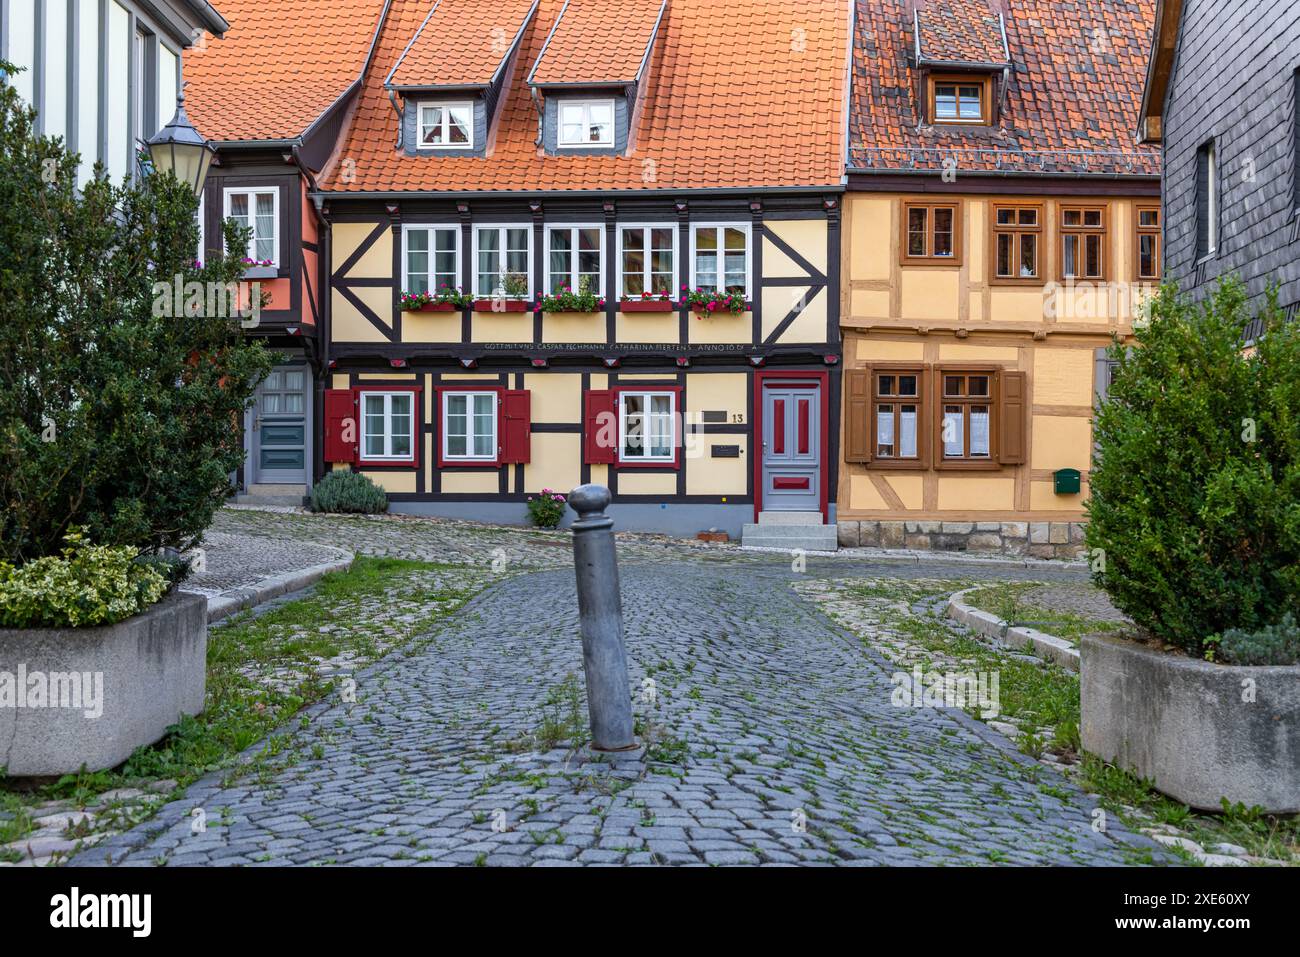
(704, 310)
(261, 272)
(647, 305)
(500, 305)
(437, 307)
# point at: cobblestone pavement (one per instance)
(771, 740)
(1079, 598)
(237, 560)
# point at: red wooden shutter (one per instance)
(341, 430)
(516, 422)
(599, 427)
(857, 415)
(1012, 402)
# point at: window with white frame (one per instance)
(586, 123)
(258, 209)
(647, 426)
(720, 258)
(446, 126)
(431, 261)
(502, 255)
(388, 426)
(469, 426)
(575, 258)
(647, 260)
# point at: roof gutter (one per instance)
(207, 15)
(1000, 173)
(462, 194)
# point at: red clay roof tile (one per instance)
(738, 94)
(454, 47)
(962, 31)
(1071, 104)
(598, 42)
(281, 65)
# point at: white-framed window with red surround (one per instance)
(387, 426)
(483, 425)
(633, 426)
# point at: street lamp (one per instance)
(178, 147)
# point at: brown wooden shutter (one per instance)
(516, 426)
(1013, 418)
(857, 415)
(341, 427)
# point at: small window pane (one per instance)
(979, 431)
(907, 431)
(886, 385)
(954, 385)
(954, 437)
(1006, 242)
(1149, 217)
(945, 102)
(1147, 256)
(1029, 217)
(907, 385)
(943, 232)
(1070, 262)
(1072, 217)
(1028, 256)
(1092, 217)
(916, 229)
(1093, 248)
(979, 385)
(460, 118)
(1006, 217)
(885, 431)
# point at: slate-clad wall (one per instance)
(1235, 80)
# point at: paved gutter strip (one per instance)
(239, 599)
(1054, 649)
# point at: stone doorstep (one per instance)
(1046, 646)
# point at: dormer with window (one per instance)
(450, 78)
(589, 79)
(962, 62)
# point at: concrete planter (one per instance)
(109, 689)
(1199, 731)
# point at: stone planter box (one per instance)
(135, 678)
(1184, 725)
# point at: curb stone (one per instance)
(239, 599)
(1056, 650)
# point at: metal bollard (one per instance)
(600, 609)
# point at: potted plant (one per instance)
(648, 302)
(1194, 532)
(446, 299)
(514, 292)
(709, 303)
(568, 300)
(546, 508)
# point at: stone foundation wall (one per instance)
(1024, 539)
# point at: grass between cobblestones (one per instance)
(262, 670)
(1039, 693)
(1005, 601)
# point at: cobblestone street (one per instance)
(771, 735)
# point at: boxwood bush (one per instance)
(1195, 484)
(348, 492)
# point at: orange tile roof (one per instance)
(1071, 104)
(738, 94)
(598, 41)
(453, 49)
(280, 66)
(960, 31)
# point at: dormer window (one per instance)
(586, 123)
(446, 126)
(960, 100)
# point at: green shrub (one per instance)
(348, 492)
(1272, 645)
(86, 585)
(116, 415)
(546, 508)
(1195, 487)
